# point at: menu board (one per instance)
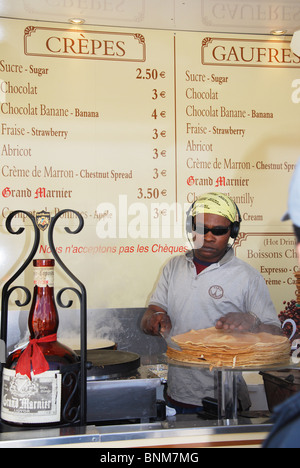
(128, 127)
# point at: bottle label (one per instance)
(35, 401)
(44, 276)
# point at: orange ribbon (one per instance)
(33, 357)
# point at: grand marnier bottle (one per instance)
(39, 383)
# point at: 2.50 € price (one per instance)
(149, 74)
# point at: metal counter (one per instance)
(182, 431)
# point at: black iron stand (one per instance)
(80, 291)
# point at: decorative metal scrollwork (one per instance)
(6, 290)
(80, 292)
(82, 296)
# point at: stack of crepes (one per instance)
(221, 348)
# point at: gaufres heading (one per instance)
(81, 44)
(248, 52)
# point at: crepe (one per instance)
(222, 348)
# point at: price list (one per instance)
(87, 123)
(128, 127)
(160, 133)
(236, 116)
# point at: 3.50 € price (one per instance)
(151, 193)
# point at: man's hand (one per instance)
(237, 321)
(156, 321)
(244, 322)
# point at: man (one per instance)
(204, 288)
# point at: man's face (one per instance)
(210, 247)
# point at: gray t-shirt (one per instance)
(198, 301)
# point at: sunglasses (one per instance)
(216, 231)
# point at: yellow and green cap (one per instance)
(215, 203)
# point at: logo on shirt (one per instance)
(216, 292)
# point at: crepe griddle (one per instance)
(108, 364)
